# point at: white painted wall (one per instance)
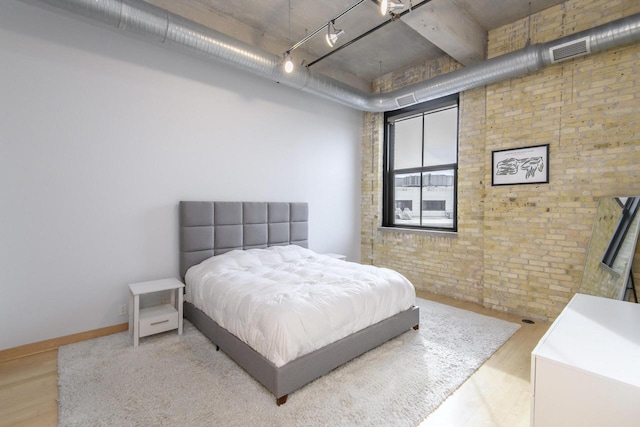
(101, 135)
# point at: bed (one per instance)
(244, 231)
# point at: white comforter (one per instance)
(287, 301)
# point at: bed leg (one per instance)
(282, 400)
(416, 327)
(217, 348)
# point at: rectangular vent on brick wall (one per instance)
(570, 49)
(405, 100)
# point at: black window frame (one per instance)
(389, 174)
(629, 210)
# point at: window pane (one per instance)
(407, 199)
(441, 137)
(438, 198)
(408, 143)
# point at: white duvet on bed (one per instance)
(287, 301)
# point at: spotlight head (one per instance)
(288, 63)
(288, 66)
(332, 38)
(389, 6)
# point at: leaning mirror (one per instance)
(608, 267)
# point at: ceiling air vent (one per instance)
(570, 49)
(405, 100)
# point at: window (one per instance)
(421, 166)
(433, 205)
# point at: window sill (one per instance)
(434, 233)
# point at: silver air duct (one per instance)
(159, 25)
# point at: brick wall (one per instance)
(522, 248)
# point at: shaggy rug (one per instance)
(172, 380)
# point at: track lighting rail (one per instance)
(394, 17)
(386, 7)
(330, 21)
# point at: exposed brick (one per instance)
(521, 249)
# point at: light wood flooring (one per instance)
(29, 390)
(497, 395)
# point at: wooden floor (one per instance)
(29, 390)
(497, 395)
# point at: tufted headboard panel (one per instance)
(213, 228)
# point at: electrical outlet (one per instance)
(123, 310)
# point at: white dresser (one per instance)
(585, 371)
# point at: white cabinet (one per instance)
(156, 319)
(585, 371)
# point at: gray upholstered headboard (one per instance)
(213, 228)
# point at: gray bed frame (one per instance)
(213, 228)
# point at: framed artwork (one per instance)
(528, 165)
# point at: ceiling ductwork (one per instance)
(158, 25)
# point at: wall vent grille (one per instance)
(405, 100)
(570, 50)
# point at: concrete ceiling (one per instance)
(431, 29)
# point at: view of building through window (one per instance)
(437, 197)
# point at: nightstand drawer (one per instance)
(158, 319)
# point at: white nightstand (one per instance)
(153, 320)
(338, 256)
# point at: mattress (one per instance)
(287, 301)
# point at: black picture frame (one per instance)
(524, 165)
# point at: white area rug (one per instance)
(172, 380)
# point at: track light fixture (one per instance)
(288, 63)
(332, 34)
(389, 6)
(331, 37)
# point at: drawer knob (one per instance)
(157, 323)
